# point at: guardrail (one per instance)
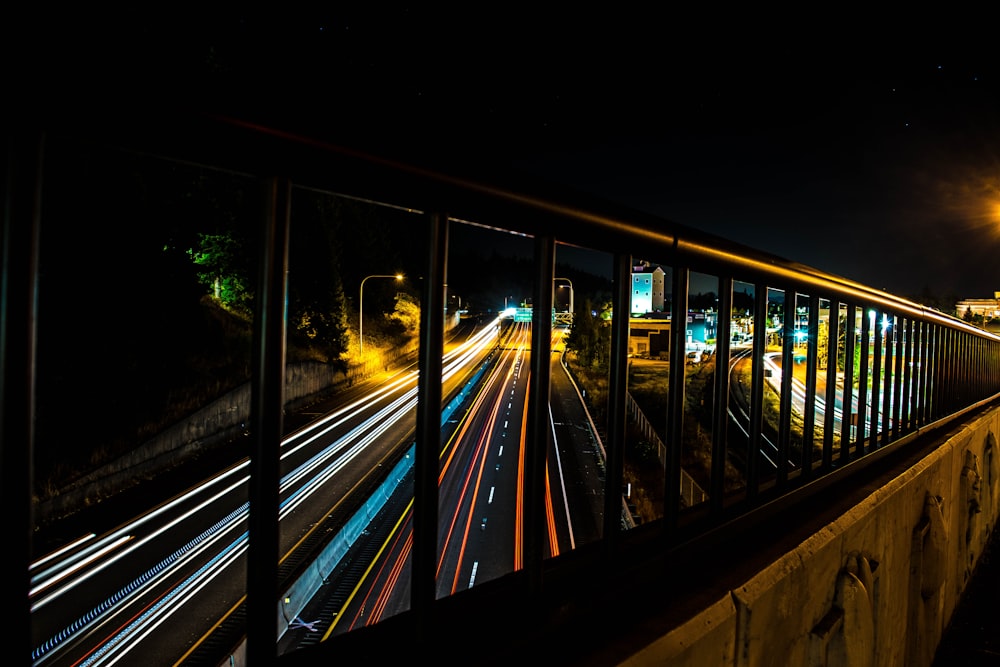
(874, 370)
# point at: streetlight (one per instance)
(571, 311)
(361, 301)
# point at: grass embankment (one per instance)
(648, 384)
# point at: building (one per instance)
(649, 336)
(647, 289)
(978, 309)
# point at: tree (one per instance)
(405, 318)
(219, 258)
(589, 337)
(317, 303)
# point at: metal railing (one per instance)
(918, 366)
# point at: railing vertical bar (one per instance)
(876, 382)
(936, 374)
(888, 380)
(787, 374)
(940, 377)
(994, 367)
(832, 338)
(720, 404)
(539, 433)
(849, 412)
(916, 361)
(617, 409)
(675, 397)
(929, 373)
(945, 390)
(969, 375)
(865, 415)
(923, 373)
(973, 370)
(24, 157)
(960, 393)
(428, 436)
(809, 410)
(916, 373)
(948, 371)
(984, 368)
(898, 378)
(267, 408)
(908, 369)
(979, 369)
(961, 373)
(757, 390)
(991, 368)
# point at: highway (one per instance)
(481, 511)
(164, 582)
(739, 368)
(739, 364)
(160, 583)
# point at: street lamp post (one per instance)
(361, 315)
(571, 311)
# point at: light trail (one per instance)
(460, 522)
(68, 563)
(550, 512)
(519, 525)
(77, 563)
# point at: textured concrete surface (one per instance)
(973, 636)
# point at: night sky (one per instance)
(865, 147)
(891, 178)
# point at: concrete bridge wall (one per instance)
(874, 588)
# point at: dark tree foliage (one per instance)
(703, 301)
(487, 281)
(219, 258)
(317, 317)
(590, 337)
(376, 240)
(742, 302)
(945, 303)
(124, 335)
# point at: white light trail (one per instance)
(69, 564)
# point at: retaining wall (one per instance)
(222, 421)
